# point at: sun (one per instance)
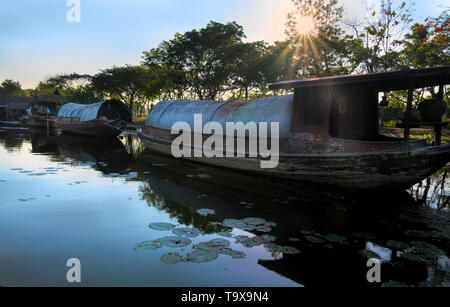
(306, 25)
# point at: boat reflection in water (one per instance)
(308, 234)
(334, 232)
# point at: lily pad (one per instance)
(219, 243)
(268, 238)
(282, 249)
(161, 226)
(315, 239)
(428, 250)
(254, 221)
(429, 284)
(397, 245)
(203, 255)
(364, 235)
(370, 254)
(335, 238)
(175, 242)
(206, 212)
(412, 257)
(233, 253)
(148, 245)
(171, 258)
(394, 284)
(250, 242)
(264, 228)
(225, 234)
(232, 223)
(270, 224)
(187, 232)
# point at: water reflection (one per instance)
(239, 227)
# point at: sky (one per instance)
(37, 41)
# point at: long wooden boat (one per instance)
(105, 119)
(329, 131)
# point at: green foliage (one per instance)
(73, 87)
(201, 61)
(10, 88)
(322, 52)
(127, 83)
(374, 47)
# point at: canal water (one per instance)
(134, 218)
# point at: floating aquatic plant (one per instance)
(161, 226)
(397, 245)
(428, 250)
(206, 212)
(171, 258)
(314, 239)
(187, 232)
(148, 245)
(282, 249)
(203, 255)
(175, 242)
(364, 235)
(394, 284)
(412, 257)
(225, 234)
(335, 238)
(370, 254)
(254, 221)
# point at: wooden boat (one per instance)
(329, 131)
(105, 119)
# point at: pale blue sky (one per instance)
(36, 40)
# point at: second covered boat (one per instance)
(103, 119)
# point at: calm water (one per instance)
(66, 197)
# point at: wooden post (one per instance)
(441, 93)
(438, 132)
(408, 113)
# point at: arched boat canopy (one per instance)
(111, 109)
(265, 110)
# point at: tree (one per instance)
(428, 44)
(320, 51)
(10, 88)
(376, 44)
(74, 87)
(127, 83)
(249, 67)
(203, 59)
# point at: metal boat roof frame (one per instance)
(386, 81)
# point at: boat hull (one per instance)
(94, 128)
(372, 170)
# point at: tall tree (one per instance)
(204, 58)
(249, 67)
(428, 45)
(10, 88)
(127, 83)
(314, 29)
(74, 87)
(377, 41)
